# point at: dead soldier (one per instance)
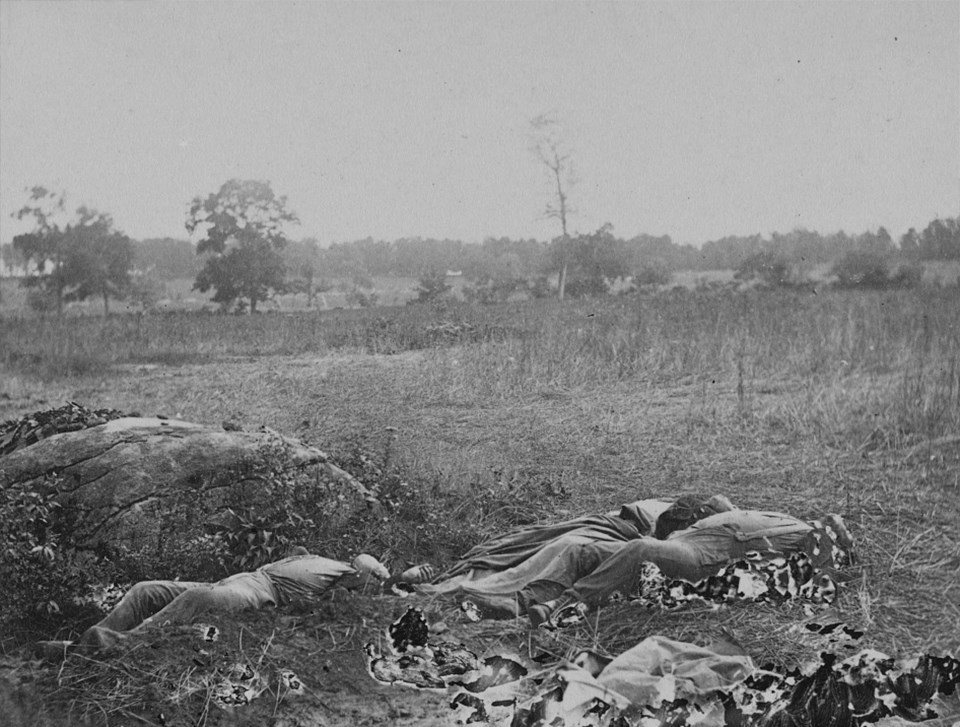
(299, 578)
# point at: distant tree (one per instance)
(593, 260)
(878, 243)
(502, 276)
(75, 256)
(487, 291)
(771, 268)
(941, 240)
(884, 241)
(432, 286)
(98, 259)
(305, 260)
(357, 297)
(43, 247)
(654, 272)
(728, 253)
(910, 244)
(654, 253)
(146, 290)
(863, 269)
(552, 153)
(167, 258)
(242, 227)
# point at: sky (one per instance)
(395, 119)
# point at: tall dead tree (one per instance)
(550, 150)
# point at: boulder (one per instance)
(116, 479)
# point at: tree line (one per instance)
(241, 251)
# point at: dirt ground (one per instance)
(608, 446)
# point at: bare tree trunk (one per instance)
(557, 167)
(59, 273)
(549, 149)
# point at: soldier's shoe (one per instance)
(568, 615)
(557, 613)
(539, 614)
(417, 574)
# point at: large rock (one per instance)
(120, 477)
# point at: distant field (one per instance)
(178, 294)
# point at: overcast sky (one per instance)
(696, 120)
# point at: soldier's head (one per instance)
(687, 510)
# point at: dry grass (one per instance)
(839, 402)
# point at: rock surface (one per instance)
(121, 476)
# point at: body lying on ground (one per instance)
(573, 567)
(492, 573)
(690, 555)
(297, 579)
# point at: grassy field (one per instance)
(842, 401)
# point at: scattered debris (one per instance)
(661, 682)
(409, 630)
(773, 580)
(208, 633)
(72, 417)
(291, 682)
(471, 611)
(412, 660)
(241, 686)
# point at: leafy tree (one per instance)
(355, 296)
(43, 247)
(592, 260)
(552, 153)
(654, 272)
(502, 277)
(75, 256)
(771, 268)
(146, 290)
(432, 286)
(941, 240)
(863, 269)
(910, 244)
(491, 290)
(242, 227)
(306, 260)
(167, 258)
(98, 259)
